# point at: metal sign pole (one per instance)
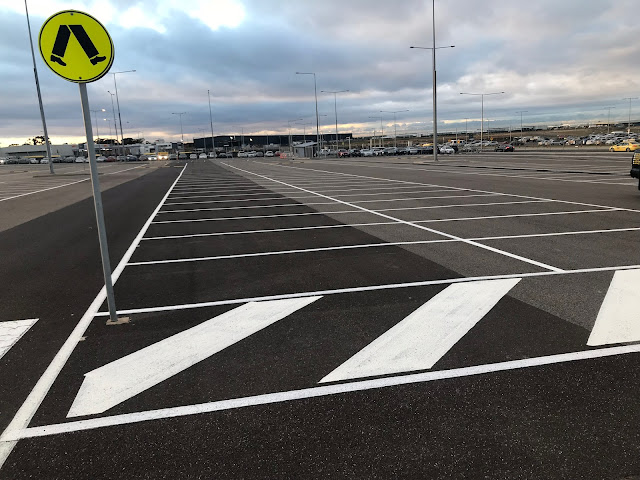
(97, 200)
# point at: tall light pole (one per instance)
(115, 125)
(435, 102)
(115, 84)
(213, 141)
(204, 141)
(381, 128)
(395, 125)
(482, 95)
(335, 108)
(521, 128)
(290, 141)
(629, 125)
(609, 118)
(315, 90)
(95, 114)
(35, 74)
(181, 132)
(466, 129)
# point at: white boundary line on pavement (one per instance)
(429, 207)
(444, 170)
(33, 401)
(268, 230)
(315, 392)
(64, 185)
(368, 288)
(445, 186)
(376, 245)
(407, 222)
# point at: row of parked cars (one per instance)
(386, 151)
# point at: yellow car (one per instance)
(625, 146)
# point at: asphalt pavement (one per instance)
(367, 318)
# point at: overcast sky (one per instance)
(560, 60)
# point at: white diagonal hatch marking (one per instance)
(618, 320)
(11, 332)
(422, 338)
(112, 384)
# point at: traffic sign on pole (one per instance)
(78, 48)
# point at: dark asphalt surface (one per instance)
(569, 420)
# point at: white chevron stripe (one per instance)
(11, 332)
(126, 377)
(422, 338)
(618, 320)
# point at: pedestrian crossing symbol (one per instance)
(76, 46)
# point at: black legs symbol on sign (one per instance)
(62, 40)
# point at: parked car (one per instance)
(504, 147)
(366, 152)
(202, 155)
(132, 158)
(152, 157)
(411, 151)
(100, 158)
(212, 154)
(193, 156)
(173, 156)
(111, 158)
(625, 146)
(268, 153)
(242, 154)
(343, 153)
(182, 156)
(447, 150)
(35, 160)
(79, 160)
(391, 151)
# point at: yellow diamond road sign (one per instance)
(76, 46)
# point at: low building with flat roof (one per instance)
(37, 151)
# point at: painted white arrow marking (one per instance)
(618, 320)
(112, 384)
(11, 332)
(422, 338)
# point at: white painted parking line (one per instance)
(61, 186)
(313, 392)
(226, 195)
(242, 200)
(429, 207)
(33, 401)
(421, 227)
(11, 332)
(398, 193)
(250, 217)
(366, 288)
(112, 384)
(518, 215)
(619, 318)
(282, 205)
(455, 188)
(427, 334)
(268, 230)
(459, 172)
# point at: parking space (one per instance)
(568, 165)
(256, 283)
(18, 181)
